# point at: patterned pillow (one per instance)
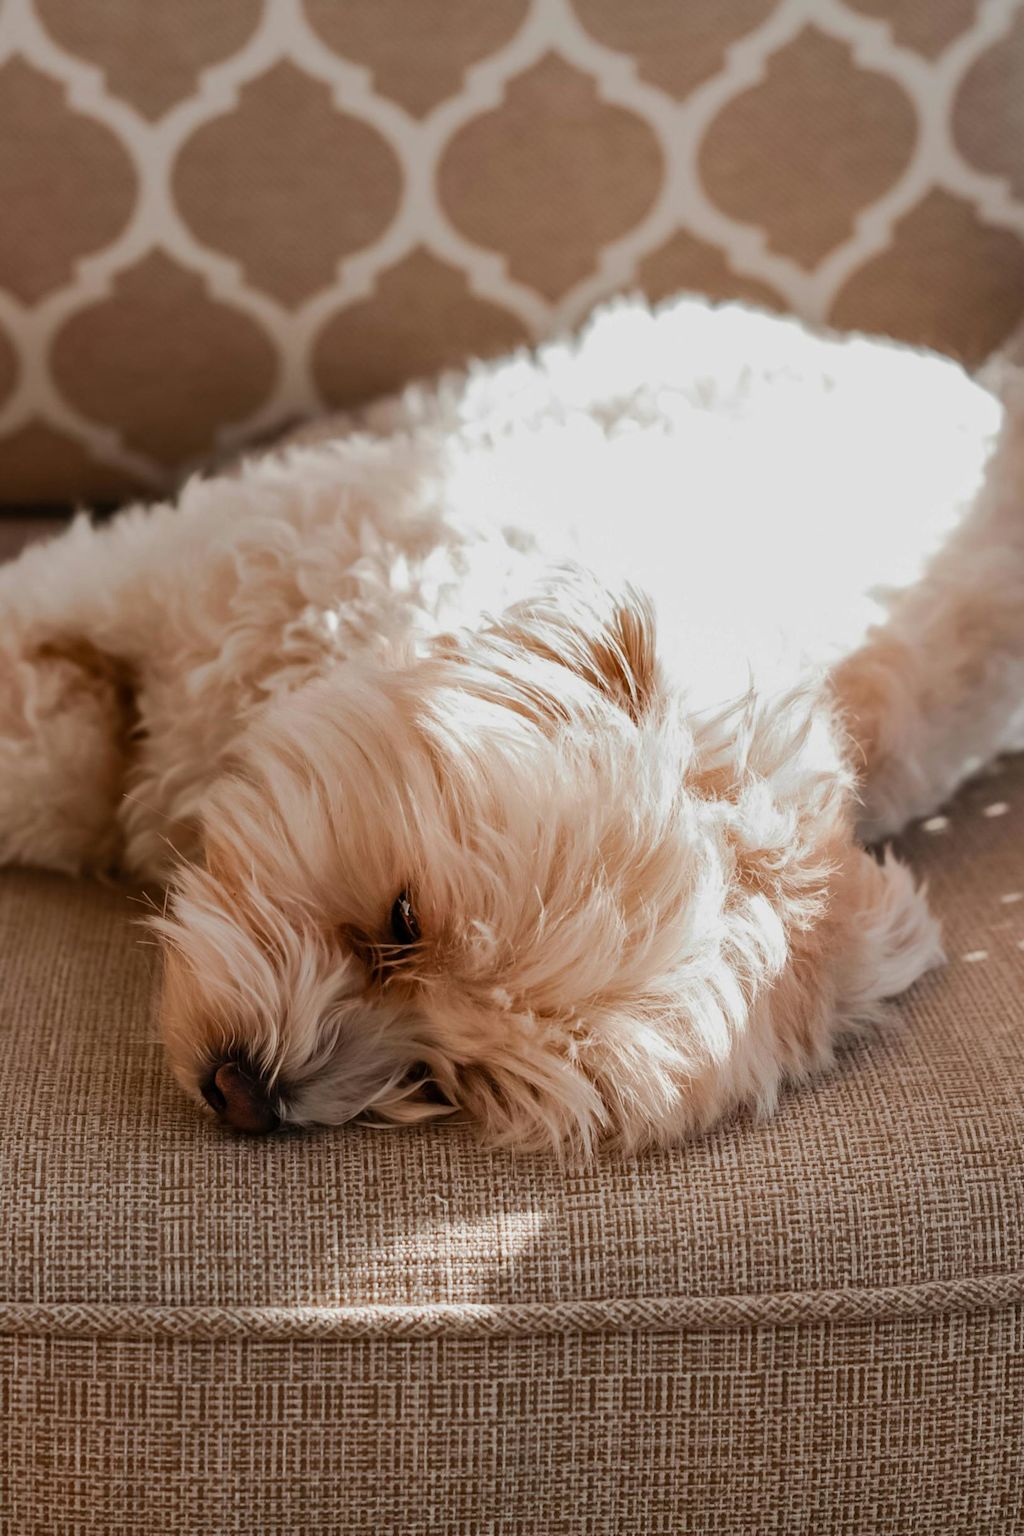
(217, 218)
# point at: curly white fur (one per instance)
(577, 656)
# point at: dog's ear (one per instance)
(607, 638)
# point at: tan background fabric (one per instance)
(220, 217)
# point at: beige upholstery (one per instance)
(218, 217)
(814, 1324)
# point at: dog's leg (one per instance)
(939, 688)
(67, 706)
(116, 712)
(66, 716)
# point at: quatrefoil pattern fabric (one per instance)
(218, 217)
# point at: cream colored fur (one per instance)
(577, 653)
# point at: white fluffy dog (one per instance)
(503, 750)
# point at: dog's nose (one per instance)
(238, 1094)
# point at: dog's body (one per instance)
(451, 820)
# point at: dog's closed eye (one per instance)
(403, 925)
(388, 950)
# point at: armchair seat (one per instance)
(813, 1323)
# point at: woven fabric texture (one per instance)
(217, 218)
(909, 1428)
(811, 1324)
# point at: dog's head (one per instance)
(511, 877)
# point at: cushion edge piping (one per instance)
(104, 1320)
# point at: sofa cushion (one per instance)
(899, 1171)
(364, 1330)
